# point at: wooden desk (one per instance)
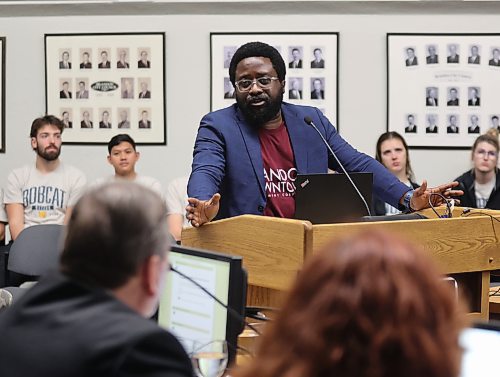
(273, 250)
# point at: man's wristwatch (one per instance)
(406, 201)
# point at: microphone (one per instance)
(233, 312)
(310, 122)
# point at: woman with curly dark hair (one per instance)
(366, 306)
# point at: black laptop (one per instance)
(331, 198)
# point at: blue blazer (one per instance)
(227, 159)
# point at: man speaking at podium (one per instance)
(246, 156)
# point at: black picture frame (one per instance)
(3, 49)
(222, 43)
(102, 84)
(441, 88)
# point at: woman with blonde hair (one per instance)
(366, 306)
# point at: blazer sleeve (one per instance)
(209, 160)
(385, 185)
(156, 355)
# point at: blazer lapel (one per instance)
(297, 129)
(252, 143)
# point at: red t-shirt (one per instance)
(279, 171)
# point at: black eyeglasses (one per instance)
(245, 85)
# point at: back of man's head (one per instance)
(112, 232)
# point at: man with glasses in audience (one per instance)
(481, 184)
(247, 156)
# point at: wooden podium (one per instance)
(274, 249)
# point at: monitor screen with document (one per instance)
(192, 315)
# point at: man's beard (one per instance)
(48, 155)
(260, 116)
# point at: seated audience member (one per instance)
(366, 306)
(176, 199)
(43, 193)
(392, 152)
(481, 184)
(123, 157)
(91, 317)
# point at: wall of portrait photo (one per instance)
(443, 88)
(311, 63)
(362, 66)
(100, 84)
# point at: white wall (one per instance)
(362, 80)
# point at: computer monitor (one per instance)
(189, 312)
(481, 344)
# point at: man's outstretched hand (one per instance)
(199, 212)
(421, 195)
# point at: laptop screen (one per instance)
(331, 198)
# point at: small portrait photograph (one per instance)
(85, 58)
(105, 118)
(432, 54)
(295, 54)
(432, 124)
(453, 54)
(87, 118)
(411, 58)
(124, 116)
(144, 55)
(67, 117)
(431, 96)
(127, 87)
(453, 97)
(123, 58)
(474, 124)
(104, 55)
(144, 118)
(65, 58)
(144, 87)
(228, 89)
(82, 92)
(295, 85)
(228, 54)
(65, 85)
(475, 55)
(318, 88)
(495, 57)
(411, 124)
(318, 61)
(474, 96)
(452, 127)
(495, 122)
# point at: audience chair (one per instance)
(35, 251)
